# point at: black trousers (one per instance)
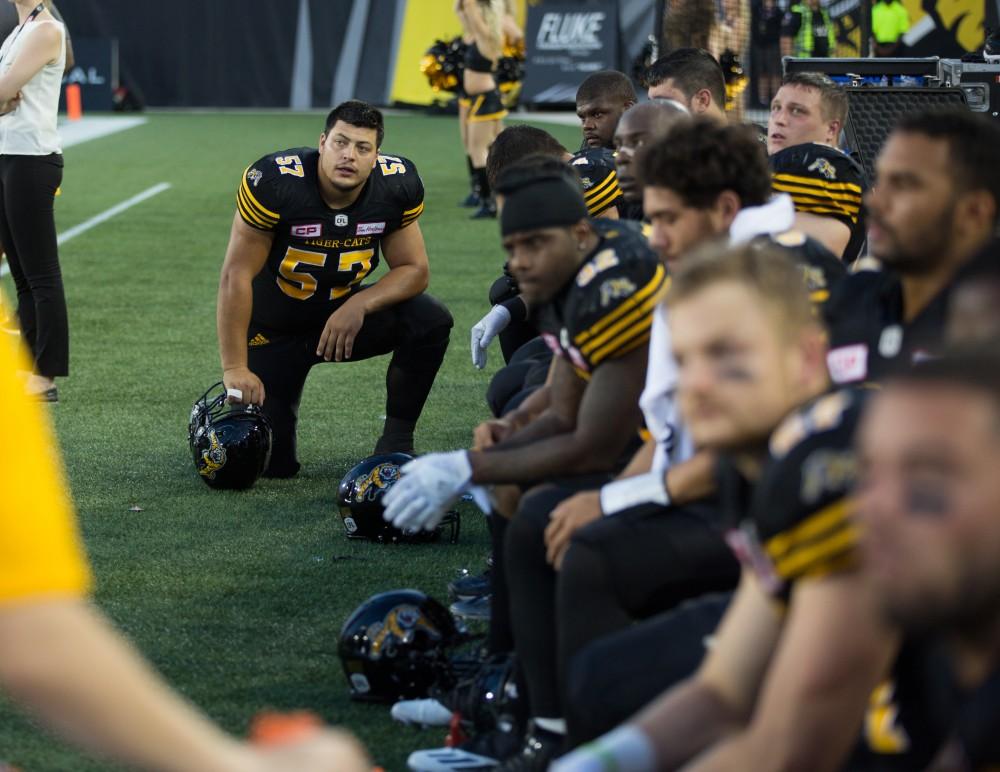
(415, 331)
(524, 372)
(617, 570)
(614, 677)
(28, 187)
(501, 634)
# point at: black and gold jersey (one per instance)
(869, 335)
(319, 255)
(596, 167)
(606, 310)
(795, 521)
(824, 181)
(978, 726)
(821, 271)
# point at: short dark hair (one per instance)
(975, 367)
(832, 98)
(699, 159)
(691, 69)
(360, 114)
(541, 192)
(529, 169)
(610, 84)
(517, 142)
(973, 145)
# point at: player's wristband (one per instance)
(648, 488)
(625, 748)
(517, 309)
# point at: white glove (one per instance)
(485, 331)
(426, 488)
(625, 748)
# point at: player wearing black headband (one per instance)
(595, 285)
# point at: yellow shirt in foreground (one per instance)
(40, 549)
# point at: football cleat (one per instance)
(422, 712)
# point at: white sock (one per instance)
(553, 725)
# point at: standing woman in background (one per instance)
(472, 200)
(484, 21)
(8, 22)
(32, 60)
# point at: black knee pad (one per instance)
(535, 350)
(426, 319)
(526, 530)
(507, 382)
(504, 288)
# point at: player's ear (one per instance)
(322, 140)
(977, 208)
(726, 207)
(813, 345)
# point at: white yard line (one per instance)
(89, 128)
(104, 216)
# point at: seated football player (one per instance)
(637, 126)
(611, 547)
(600, 101)
(974, 308)
(935, 207)
(807, 115)
(803, 651)
(508, 317)
(309, 227)
(692, 77)
(928, 500)
(595, 284)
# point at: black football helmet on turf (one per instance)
(395, 646)
(230, 443)
(359, 497)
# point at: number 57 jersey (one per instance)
(319, 255)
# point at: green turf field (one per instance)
(238, 598)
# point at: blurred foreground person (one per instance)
(929, 501)
(62, 660)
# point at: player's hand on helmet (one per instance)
(566, 519)
(327, 750)
(491, 432)
(243, 386)
(485, 330)
(426, 488)
(337, 340)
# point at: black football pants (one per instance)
(415, 332)
(618, 569)
(28, 187)
(524, 372)
(616, 676)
